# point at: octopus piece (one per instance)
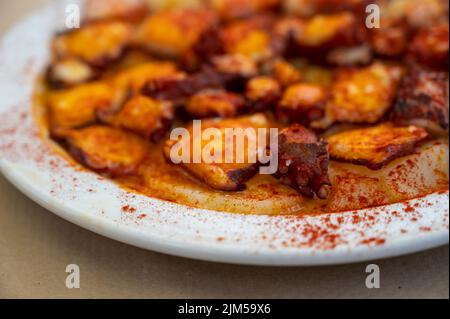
(262, 93)
(285, 32)
(208, 45)
(233, 9)
(431, 45)
(135, 78)
(142, 115)
(361, 95)
(77, 106)
(286, 73)
(218, 172)
(171, 33)
(422, 100)
(391, 39)
(69, 72)
(375, 146)
(133, 57)
(315, 74)
(303, 161)
(416, 13)
(97, 43)
(302, 103)
(240, 44)
(109, 151)
(323, 32)
(214, 103)
(235, 64)
(250, 38)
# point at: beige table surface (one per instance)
(36, 246)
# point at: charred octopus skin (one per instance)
(303, 161)
(170, 88)
(262, 92)
(430, 46)
(422, 99)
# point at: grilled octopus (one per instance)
(422, 99)
(316, 68)
(175, 89)
(303, 161)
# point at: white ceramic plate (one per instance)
(98, 205)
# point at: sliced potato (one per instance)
(391, 39)
(289, 27)
(307, 8)
(421, 173)
(235, 64)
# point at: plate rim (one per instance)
(121, 233)
(224, 252)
